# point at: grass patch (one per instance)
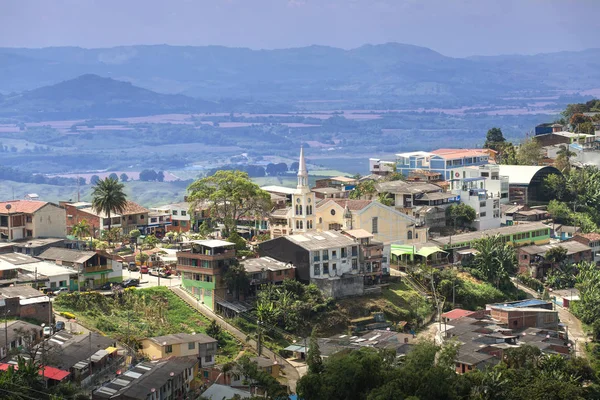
(138, 313)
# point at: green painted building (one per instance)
(202, 267)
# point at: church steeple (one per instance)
(302, 172)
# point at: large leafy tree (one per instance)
(494, 139)
(530, 152)
(108, 197)
(460, 214)
(231, 195)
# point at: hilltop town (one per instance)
(452, 263)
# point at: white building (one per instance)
(180, 216)
(300, 217)
(483, 188)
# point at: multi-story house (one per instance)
(133, 217)
(93, 268)
(179, 216)
(483, 189)
(28, 219)
(267, 270)
(425, 201)
(371, 255)
(380, 167)
(159, 222)
(532, 259)
(181, 345)
(203, 266)
(386, 224)
(329, 259)
(592, 240)
(444, 161)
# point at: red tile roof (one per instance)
(21, 206)
(592, 236)
(459, 153)
(133, 208)
(457, 313)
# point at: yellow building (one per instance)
(181, 345)
(385, 223)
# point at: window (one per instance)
(183, 223)
(316, 270)
(332, 212)
(141, 217)
(483, 214)
(325, 255)
(320, 220)
(374, 227)
(153, 220)
(354, 263)
(174, 212)
(325, 268)
(354, 251)
(28, 218)
(344, 252)
(168, 349)
(183, 213)
(333, 254)
(205, 374)
(29, 233)
(334, 266)
(191, 345)
(409, 235)
(278, 273)
(208, 359)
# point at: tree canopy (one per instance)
(494, 139)
(530, 152)
(461, 214)
(231, 195)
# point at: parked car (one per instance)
(60, 325)
(61, 290)
(105, 286)
(132, 266)
(144, 269)
(47, 331)
(131, 283)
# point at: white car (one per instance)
(47, 331)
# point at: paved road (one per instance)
(292, 373)
(575, 329)
(147, 280)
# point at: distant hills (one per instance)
(92, 96)
(371, 76)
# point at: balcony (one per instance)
(96, 269)
(325, 258)
(316, 258)
(227, 254)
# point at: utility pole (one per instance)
(6, 327)
(259, 340)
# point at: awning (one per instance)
(111, 349)
(427, 251)
(398, 249)
(237, 306)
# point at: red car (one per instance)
(144, 269)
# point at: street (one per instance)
(574, 327)
(147, 280)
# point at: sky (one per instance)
(452, 27)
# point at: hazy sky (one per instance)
(452, 27)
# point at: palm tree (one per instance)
(563, 158)
(108, 197)
(81, 230)
(494, 259)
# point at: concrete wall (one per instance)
(48, 221)
(391, 225)
(341, 287)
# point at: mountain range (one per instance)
(390, 75)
